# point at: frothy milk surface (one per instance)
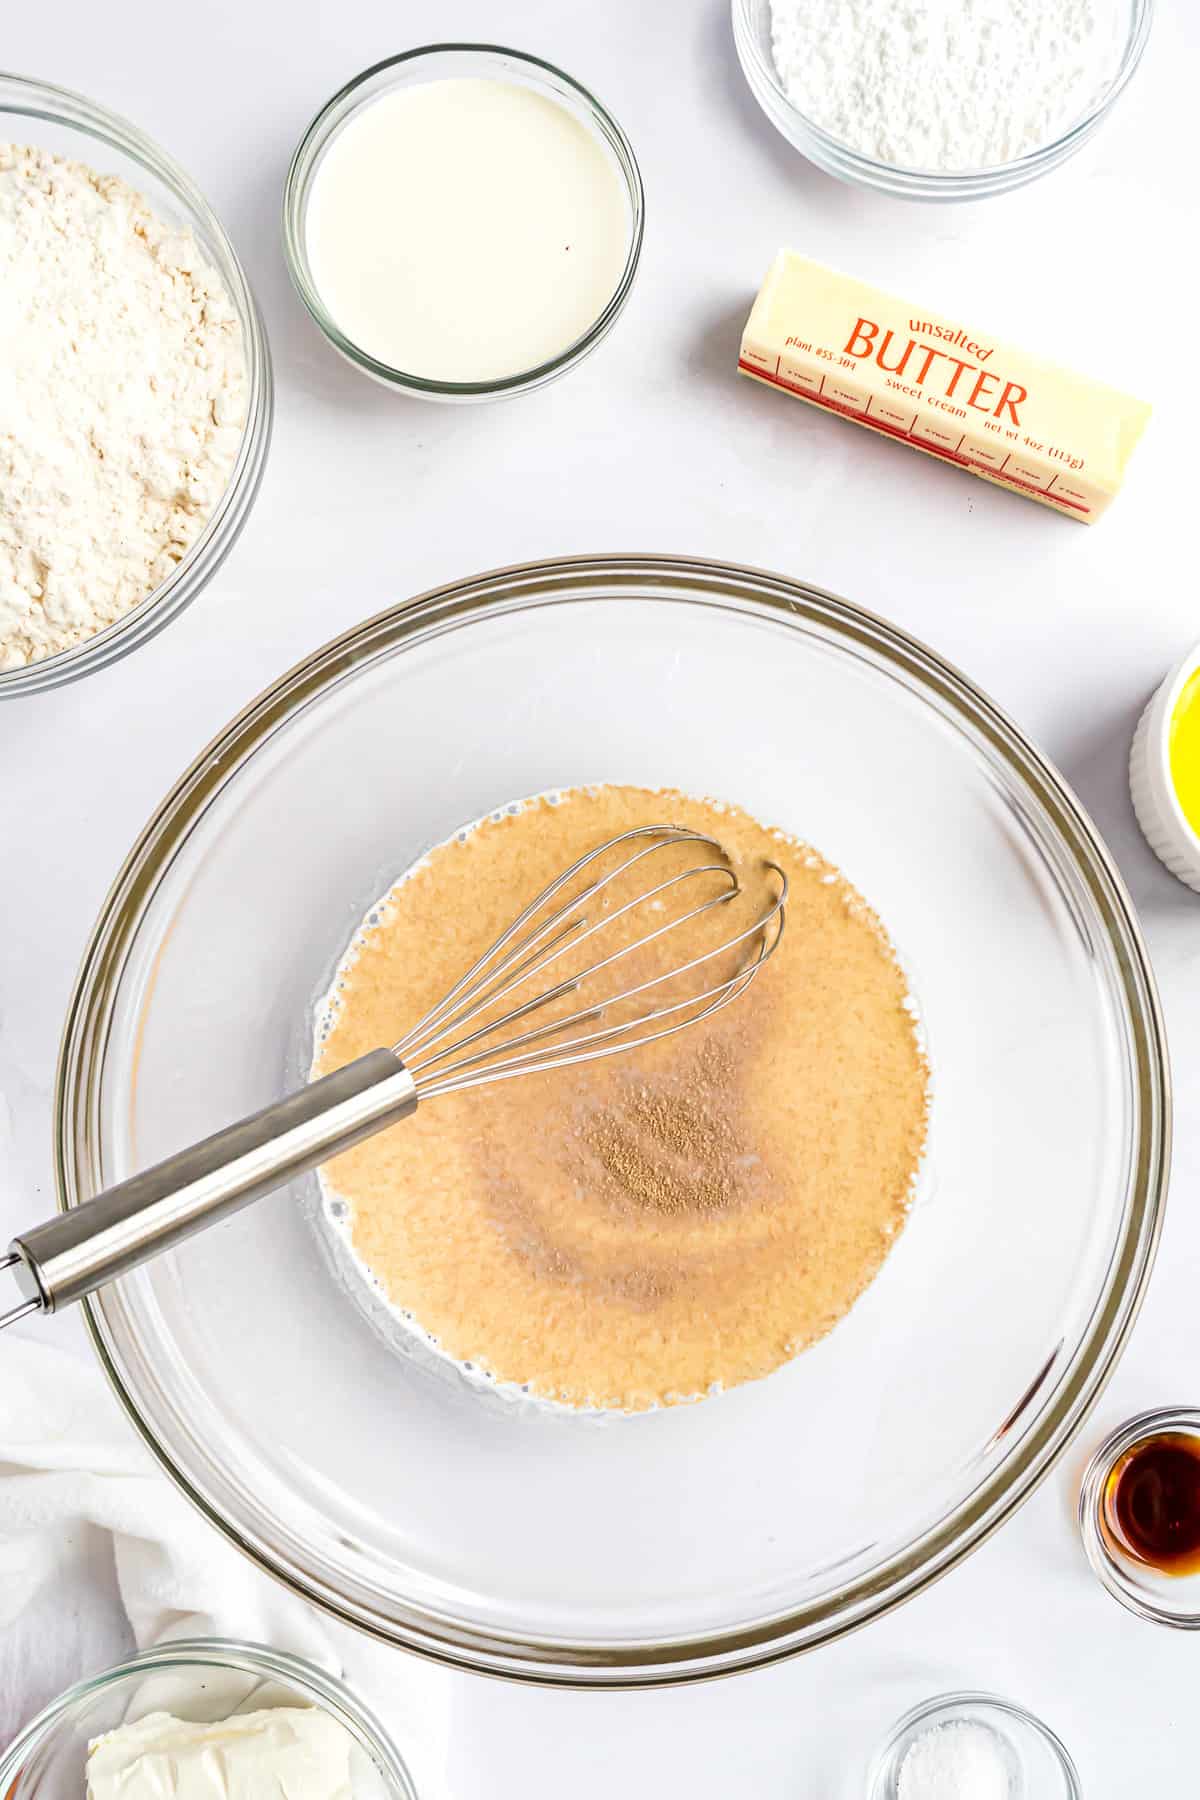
(466, 230)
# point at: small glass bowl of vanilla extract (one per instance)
(1139, 1515)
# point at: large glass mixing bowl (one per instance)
(698, 1539)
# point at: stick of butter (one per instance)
(943, 387)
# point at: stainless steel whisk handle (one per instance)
(72, 1255)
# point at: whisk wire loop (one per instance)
(583, 1049)
(575, 982)
(490, 1052)
(480, 973)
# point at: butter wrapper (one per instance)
(941, 385)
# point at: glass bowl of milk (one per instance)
(463, 222)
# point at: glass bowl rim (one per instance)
(941, 183)
(295, 208)
(691, 581)
(24, 96)
(330, 1691)
(1155, 1422)
(970, 1697)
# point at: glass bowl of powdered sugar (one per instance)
(137, 388)
(950, 101)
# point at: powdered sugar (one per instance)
(947, 84)
(122, 400)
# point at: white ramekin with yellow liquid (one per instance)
(1164, 771)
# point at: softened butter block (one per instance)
(943, 385)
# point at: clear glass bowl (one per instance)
(752, 36)
(1040, 1767)
(201, 1679)
(1148, 1592)
(436, 62)
(769, 1519)
(31, 112)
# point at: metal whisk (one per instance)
(477, 1034)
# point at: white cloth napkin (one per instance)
(69, 1460)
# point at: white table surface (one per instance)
(654, 445)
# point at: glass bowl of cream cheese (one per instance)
(206, 1719)
(464, 222)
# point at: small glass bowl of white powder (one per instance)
(942, 99)
(969, 1746)
(137, 406)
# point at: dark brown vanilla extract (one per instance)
(1151, 1507)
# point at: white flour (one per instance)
(122, 398)
(947, 84)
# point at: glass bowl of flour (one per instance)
(138, 403)
(947, 100)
